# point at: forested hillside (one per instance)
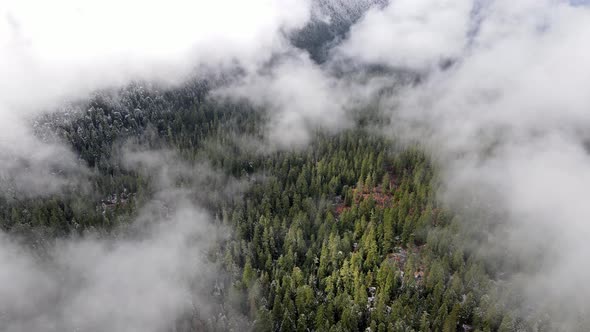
(342, 235)
(294, 165)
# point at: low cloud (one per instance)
(54, 53)
(92, 284)
(508, 124)
(145, 276)
(410, 34)
(300, 97)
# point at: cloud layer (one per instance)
(411, 34)
(145, 276)
(509, 121)
(53, 53)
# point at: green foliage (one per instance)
(342, 235)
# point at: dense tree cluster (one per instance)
(347, 236)
(343, 235)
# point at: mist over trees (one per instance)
(404, 165)
(345, 234)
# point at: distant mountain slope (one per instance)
(331, 21)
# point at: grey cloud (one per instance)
(299, 96)
(143, 277)
(509, 122)
(97, 285)
(410, 34)
(53, 53)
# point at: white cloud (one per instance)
(144, 276)
(59, 47)
(141, 284)
(299, 96)
(54, 51)
(511, 119)
(411, 33)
